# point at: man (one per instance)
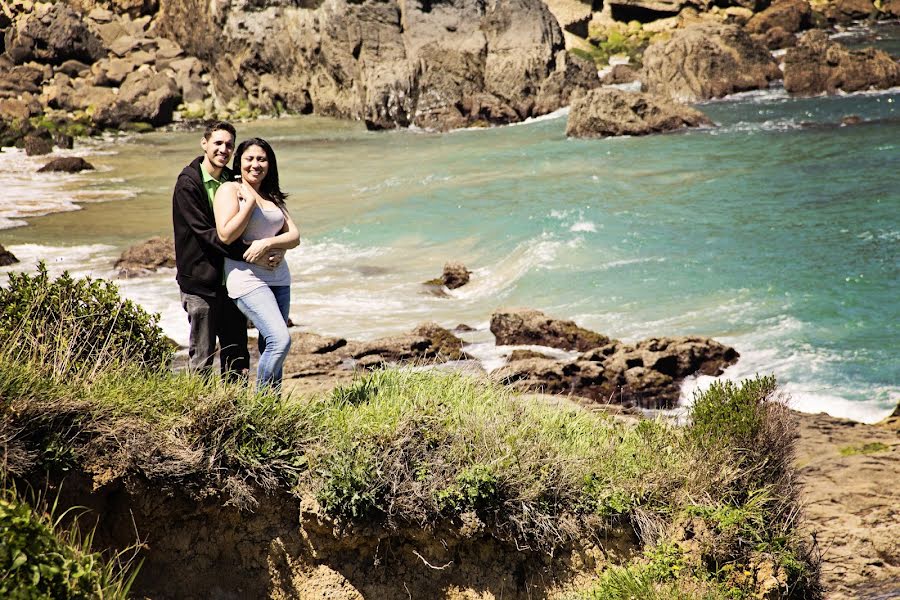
(199, 257)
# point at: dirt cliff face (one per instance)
(391, 63)
(196, 547)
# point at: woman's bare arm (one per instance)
(231, 216)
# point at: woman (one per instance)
(254, 209)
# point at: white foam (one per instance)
(583, 226)
(24, 193)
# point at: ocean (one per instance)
(777, 232)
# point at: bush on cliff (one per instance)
(41, 559)
(69, 324)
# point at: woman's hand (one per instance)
(257, 249)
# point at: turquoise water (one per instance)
(776, 232)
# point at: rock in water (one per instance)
(36, 144)
(7, 258)
(819, 65)
(610, 112)
(705, 61)
(147, 257)
(67, 164)
(455, 275)
(526, 326)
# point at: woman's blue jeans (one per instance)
(268, 308)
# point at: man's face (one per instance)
(218, 148)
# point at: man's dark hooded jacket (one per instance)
(199, 253)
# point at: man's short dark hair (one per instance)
(213, 126)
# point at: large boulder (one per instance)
(389, 63)
(145, 96)
(790, 15)
(607, 112)
(707, 60)
(573, 76)
(846, 11)
(6, 257)
(520, 326)
(147, 257)
(52, 34)
(819, 65)
(455, 275)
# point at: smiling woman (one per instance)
(254, 211)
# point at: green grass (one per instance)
(709, 505)
(868, 448)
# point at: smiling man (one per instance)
(199, 257)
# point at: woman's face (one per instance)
(254, 164)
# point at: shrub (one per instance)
(752, 425)
(39, 559)
(72, 325)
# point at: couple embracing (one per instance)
(231, 232)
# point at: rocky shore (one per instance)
(79, 67)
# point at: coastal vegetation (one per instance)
(710, 506)
(40, 557)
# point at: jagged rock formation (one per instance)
(707, 60)
(646, 374)
(819, 65)
(434, 65)
(610, 112)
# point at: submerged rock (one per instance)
(147, 257)
(707, 60)
(610, 112)
(6, 257)
(820, 65)
(67, 164)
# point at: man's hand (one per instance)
(269, 260)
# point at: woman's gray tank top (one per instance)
(241, 278)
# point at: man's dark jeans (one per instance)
(212, 317)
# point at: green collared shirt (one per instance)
(211, 184)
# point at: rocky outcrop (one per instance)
(66, 164)
(6, 257)
(707, 60)
(647, 374)
(147, 257)
(819, 65)
(790, 15)
(388, 63)
(846, 11)
(52, 34)
(428, 342)
(607, 112)
(145, 96)
(520, 326)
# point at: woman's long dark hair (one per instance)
(269, 188)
